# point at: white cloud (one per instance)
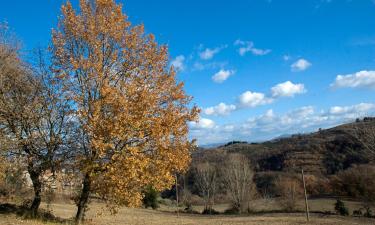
(253, 99)
(300, 65)
(354, 110)
(302, 112)
(222, 75)
(270, 124)
(210, 53)
(178, 63)
(221, 109)
(249, 99)
(360, 79)
(248, 46)
(199, 66)
(287, 89)
(203, 123)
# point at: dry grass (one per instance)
(151, 217)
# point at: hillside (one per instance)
(324, 152)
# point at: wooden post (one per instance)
(306, 203)
(177, 195)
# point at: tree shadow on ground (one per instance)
(25, 213)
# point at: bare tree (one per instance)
(238, 179)
(33, 116)
(206, 182)
(290, 191)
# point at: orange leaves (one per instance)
(132, 110)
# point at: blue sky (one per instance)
(258, 69)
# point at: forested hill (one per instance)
(323, 152)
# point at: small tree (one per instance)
(33, 116)
(238, 180)
(290, 191)
(206, 182)
(150, 198)
(340, 208)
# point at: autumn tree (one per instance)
(238, 179)
(206, 182)
(132, 113)
(32, 116)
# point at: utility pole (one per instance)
(306, 203)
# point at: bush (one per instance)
(210, 211)
(368, 212)
(341, 208)
(150, 198)
(232, 210)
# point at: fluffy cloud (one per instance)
(250, 99)
(221, 109)
(300, 65)
(357, 80)
(178, 63)
(222, 75)
(248, 46)
(203, 123)
(287, 89)
(253, 99)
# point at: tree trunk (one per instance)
(37, 185)
(83, 199)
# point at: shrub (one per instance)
(368, 212)
(210, 211)
(150, 198)
(232, 210)
(341, 208)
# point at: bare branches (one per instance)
(238, 178)
(206, 182)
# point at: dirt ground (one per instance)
(146, 216)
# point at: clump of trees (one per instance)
(225, 175)
(357, 182)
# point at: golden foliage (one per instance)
(131, 109)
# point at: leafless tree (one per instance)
(238, 179)
(290, 191)
(206, 182)
(33, 116)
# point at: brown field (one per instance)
(166, 216)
